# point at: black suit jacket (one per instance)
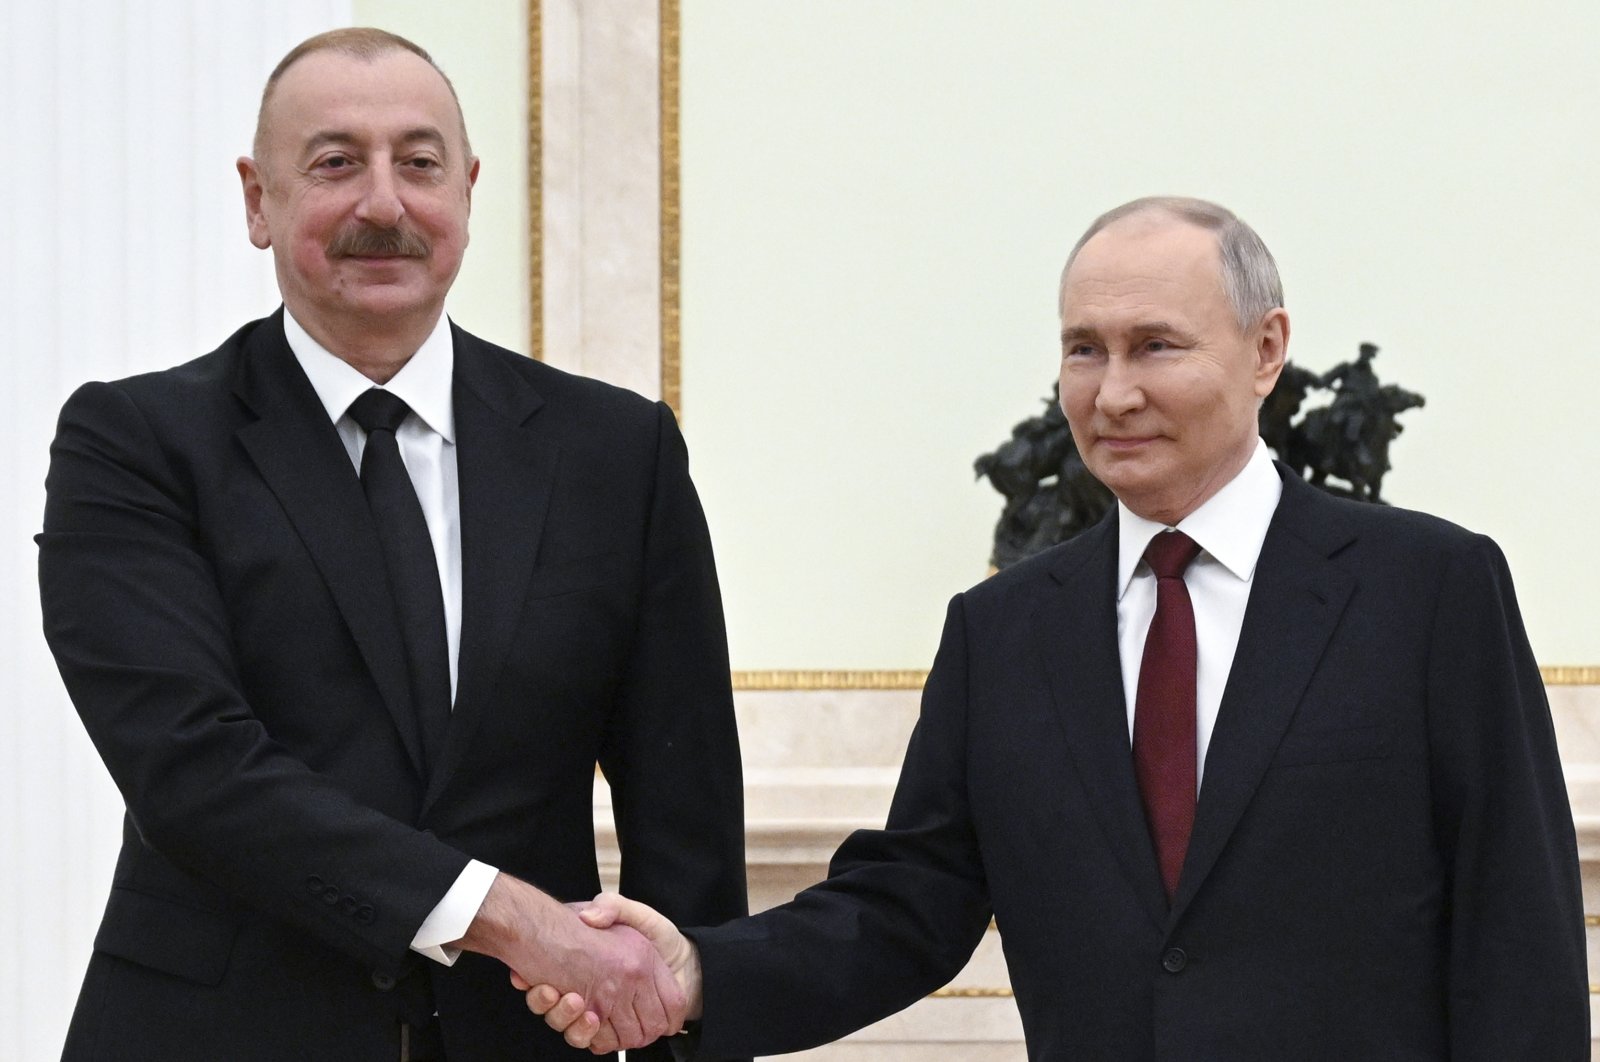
(215, 598)
(1382, 866)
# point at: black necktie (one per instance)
(409, 558)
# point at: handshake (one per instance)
(609, 973)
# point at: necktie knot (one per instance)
(379, 410)
(1170, 553)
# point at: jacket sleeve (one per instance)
(900, 913)
(136, 621)
(1517, 972)
(671, 750)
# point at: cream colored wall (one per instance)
(877, 198)
(482, 46)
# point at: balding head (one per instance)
(361, 42)
(1249, 273)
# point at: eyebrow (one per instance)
(1077, 332)
(425, 134)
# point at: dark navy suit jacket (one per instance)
(1382, 868)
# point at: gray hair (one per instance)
(1249, 274)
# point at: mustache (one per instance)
(365, 241)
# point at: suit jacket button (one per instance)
(365, 915)
(382, 982)
(315, 885)
(330, 896)
(1174, 960)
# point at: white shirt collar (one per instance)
(423, 383)
(1230, 526)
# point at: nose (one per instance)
(1120, 392)
(380, 204)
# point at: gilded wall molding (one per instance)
(973, 993)
(913, 680)
(1563, 675)
(535, 182)
(671, 212)
(829, 680)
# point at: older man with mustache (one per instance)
(352, 606)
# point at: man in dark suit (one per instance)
(352, 606)
(1293, 794)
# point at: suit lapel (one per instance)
(506, 470)
(1296, 599)
(298, 453)
(1076, 634)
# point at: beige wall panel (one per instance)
(482, 46)
(877, 198)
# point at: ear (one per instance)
(255, 218)
(1272, 350)
(472, 179)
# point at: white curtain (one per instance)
(122, 249)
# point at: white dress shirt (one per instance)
(1229, 529)
(427, 448)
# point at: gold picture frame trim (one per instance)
(973, 993)
(671, 210)
(535, 180)
(770, 680)
(828, 680)
(1570, 675)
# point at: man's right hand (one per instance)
(614, 969)
(575, 1015)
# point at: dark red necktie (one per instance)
(1164, 756)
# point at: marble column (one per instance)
(601, 180)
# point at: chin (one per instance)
(1124, 476)
(388, 303)
(1143, 494)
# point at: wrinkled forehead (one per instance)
(1148, 251)
(391, 97)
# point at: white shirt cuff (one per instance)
(449, 920)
